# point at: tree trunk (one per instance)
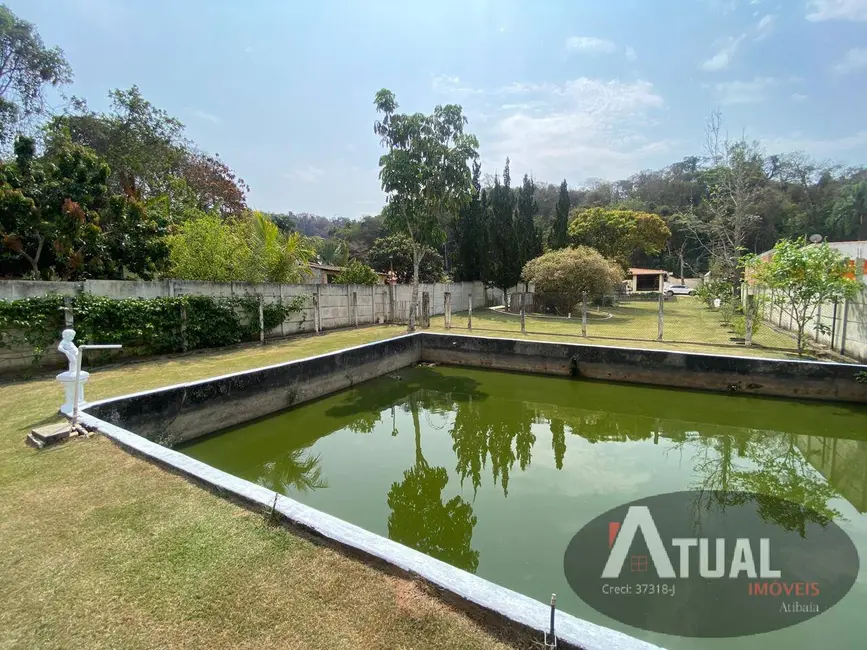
(413, 303)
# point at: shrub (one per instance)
(562, 276)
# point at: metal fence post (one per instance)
(661, 300)
(470, 309)
(447, 309)
(584, 314)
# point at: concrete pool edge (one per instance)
(512, 607)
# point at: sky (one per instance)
(575, 89)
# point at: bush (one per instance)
(564, 275)
(357, 273)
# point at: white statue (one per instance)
(68, 348)
(67, 379)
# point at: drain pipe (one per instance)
(76, 389)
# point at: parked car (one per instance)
(679, 290)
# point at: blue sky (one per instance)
(579, 89)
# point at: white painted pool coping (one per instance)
(466, 586)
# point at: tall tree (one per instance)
(529, 237)
(559, 236)
(425, 174)
(619, 234)
(27, 68)
(471, 235)
(505, 252)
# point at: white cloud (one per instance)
(854, 61)
(721, 59)
(765, 27)
(205, 116)
(584, 127)
(309, 174)
(630, 54)
(817, 147)
(743, 92)
(799, 97)
(820, 10)
(248, 49)
(590, 45)
(452, 85)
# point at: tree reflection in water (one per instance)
(293, 472)
(421, 520)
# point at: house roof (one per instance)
(326, 267)
(645, 272)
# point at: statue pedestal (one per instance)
(67, 379)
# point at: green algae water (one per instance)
(495, 472)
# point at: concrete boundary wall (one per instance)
(147, 423)
(340, 305)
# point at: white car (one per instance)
(679, 290)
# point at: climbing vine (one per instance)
(142, 325)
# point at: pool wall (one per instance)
(751, 375)
(185, 411)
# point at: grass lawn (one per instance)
(688, 326)
(99, 549)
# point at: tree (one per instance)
(27, 68)
(141, 143)
(425, 174)
(394, 253)
(728, 216)
(213, 183)
(849, 216)
(559, 236)
(505, 253)
(248, 249)
(52, 202)
(357, 273)
(802, 276)
(471, 234)
(619, 234)
(529, 237)
(565, 275)
(332, 251)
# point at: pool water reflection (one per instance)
(495, 472)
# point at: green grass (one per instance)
(99, 549)
(688, 326)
